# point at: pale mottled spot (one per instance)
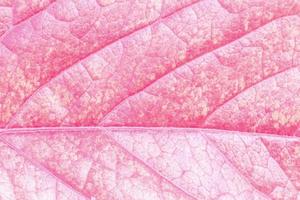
(295, 118)
(105, 2)
(280, 117)
(182, 55)
(152, 76)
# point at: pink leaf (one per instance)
(16, 11)
(148, 99)
(163, 163)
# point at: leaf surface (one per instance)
(126, 99)
(16, 11)
(163, 163)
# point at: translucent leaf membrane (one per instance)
(23, 179)
(164, 163)
(107, 99)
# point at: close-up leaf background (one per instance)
(149, 99)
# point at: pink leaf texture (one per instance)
(149, 99)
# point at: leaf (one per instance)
(90, 90)
(93, 164)
(23, 9)
(187, 99)
(14, 12)
(51, 41)
(162, 163)
(5, 16)
(21, 179)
